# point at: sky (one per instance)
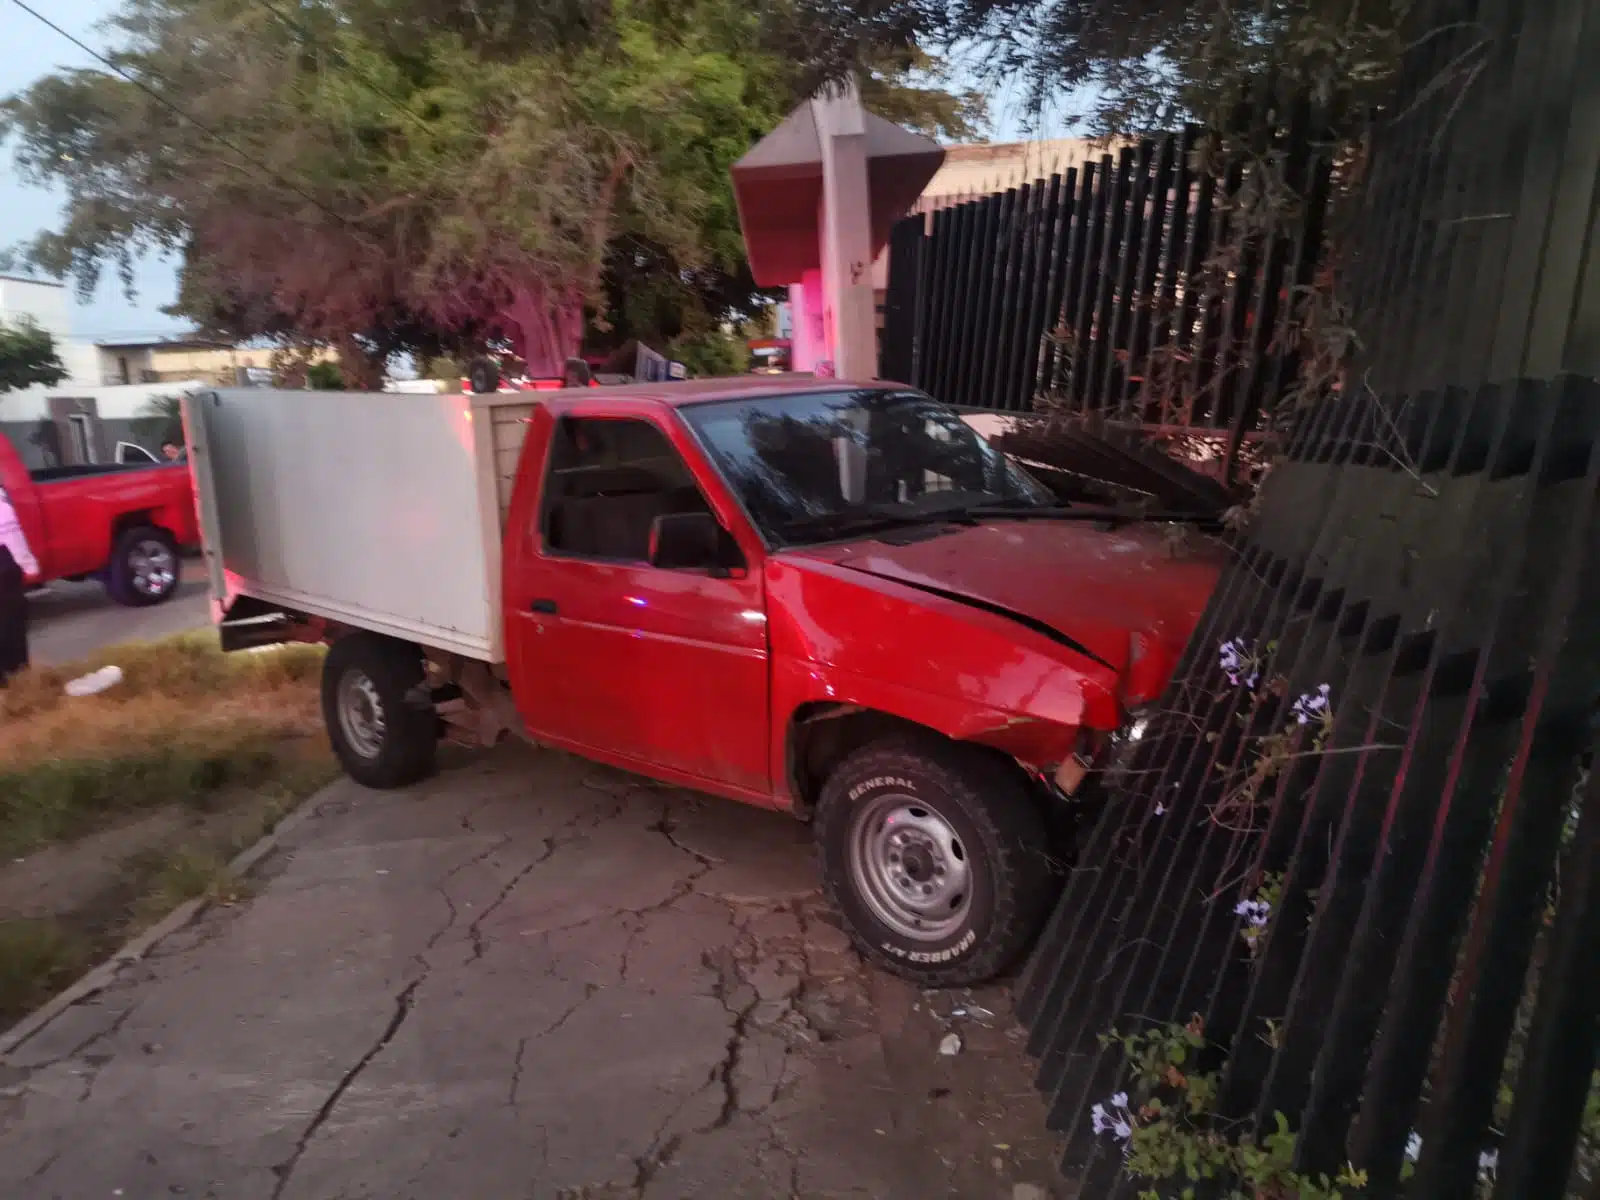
(33, 50)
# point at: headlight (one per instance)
(1124, 743)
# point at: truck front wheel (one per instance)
(377, 711)
(936, 857)
(144, 567)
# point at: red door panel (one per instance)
(667, 667)
(667, 670)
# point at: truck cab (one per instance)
(838, 601)
(125, 524)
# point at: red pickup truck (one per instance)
(122, 524)
(827, 598)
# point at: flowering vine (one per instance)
(1171, 1138)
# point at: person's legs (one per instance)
(13, 616)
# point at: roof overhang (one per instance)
(778, 187)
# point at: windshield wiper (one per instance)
(844, 524)
(1109, 516)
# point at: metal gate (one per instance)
(1353, 860)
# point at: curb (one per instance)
(100, 977)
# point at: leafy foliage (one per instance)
(28, 357)
(1173, 1141)
(710, 354)
(429, 175)
(1145, 64)
(325, 377)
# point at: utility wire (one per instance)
(254, 166)
(310, 38)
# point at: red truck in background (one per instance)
(125, 525)
(833, 599)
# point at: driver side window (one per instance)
(608, 481)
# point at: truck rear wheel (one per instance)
(937, 859)
(144, 567)
(377, 711)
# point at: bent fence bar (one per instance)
(1358, 845)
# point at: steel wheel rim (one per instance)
(154, 566)
(361, 714)
(910, 867)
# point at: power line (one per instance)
(340, 56)
(265, 172)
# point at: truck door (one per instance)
(654, 667)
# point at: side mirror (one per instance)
(687, 542)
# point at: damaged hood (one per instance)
(1084, 587)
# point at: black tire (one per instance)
(999, 836)
(131, 580)
(403, 741)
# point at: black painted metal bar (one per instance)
(930, 352)
(1004, 300)
(1145, 296)
(1018, 298)
(1098, 318)
(1055, 225)
(1080, 248)
(987, 331)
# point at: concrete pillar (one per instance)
(808, 338)
(846, 226)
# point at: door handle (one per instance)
(543, 606)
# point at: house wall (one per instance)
(44, 435)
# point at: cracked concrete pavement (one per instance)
(530, 977)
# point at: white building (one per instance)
(82, 419)
(47, 305)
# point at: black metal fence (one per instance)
(1129, 289)
(1357, 849)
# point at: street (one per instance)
(69, 621)
(529, 977)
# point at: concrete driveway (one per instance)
(69, 621)
(529, 978)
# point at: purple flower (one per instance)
(1313, 706)
(1237, 660)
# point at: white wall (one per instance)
(48, 306)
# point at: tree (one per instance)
(325, 377)
(427, 175)
(710, 354)
(160, 421)
(28, 357)
(1141, 64)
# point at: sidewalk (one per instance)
(529, 978)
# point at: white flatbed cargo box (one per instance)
(379, 511)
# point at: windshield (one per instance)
(813, 466)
